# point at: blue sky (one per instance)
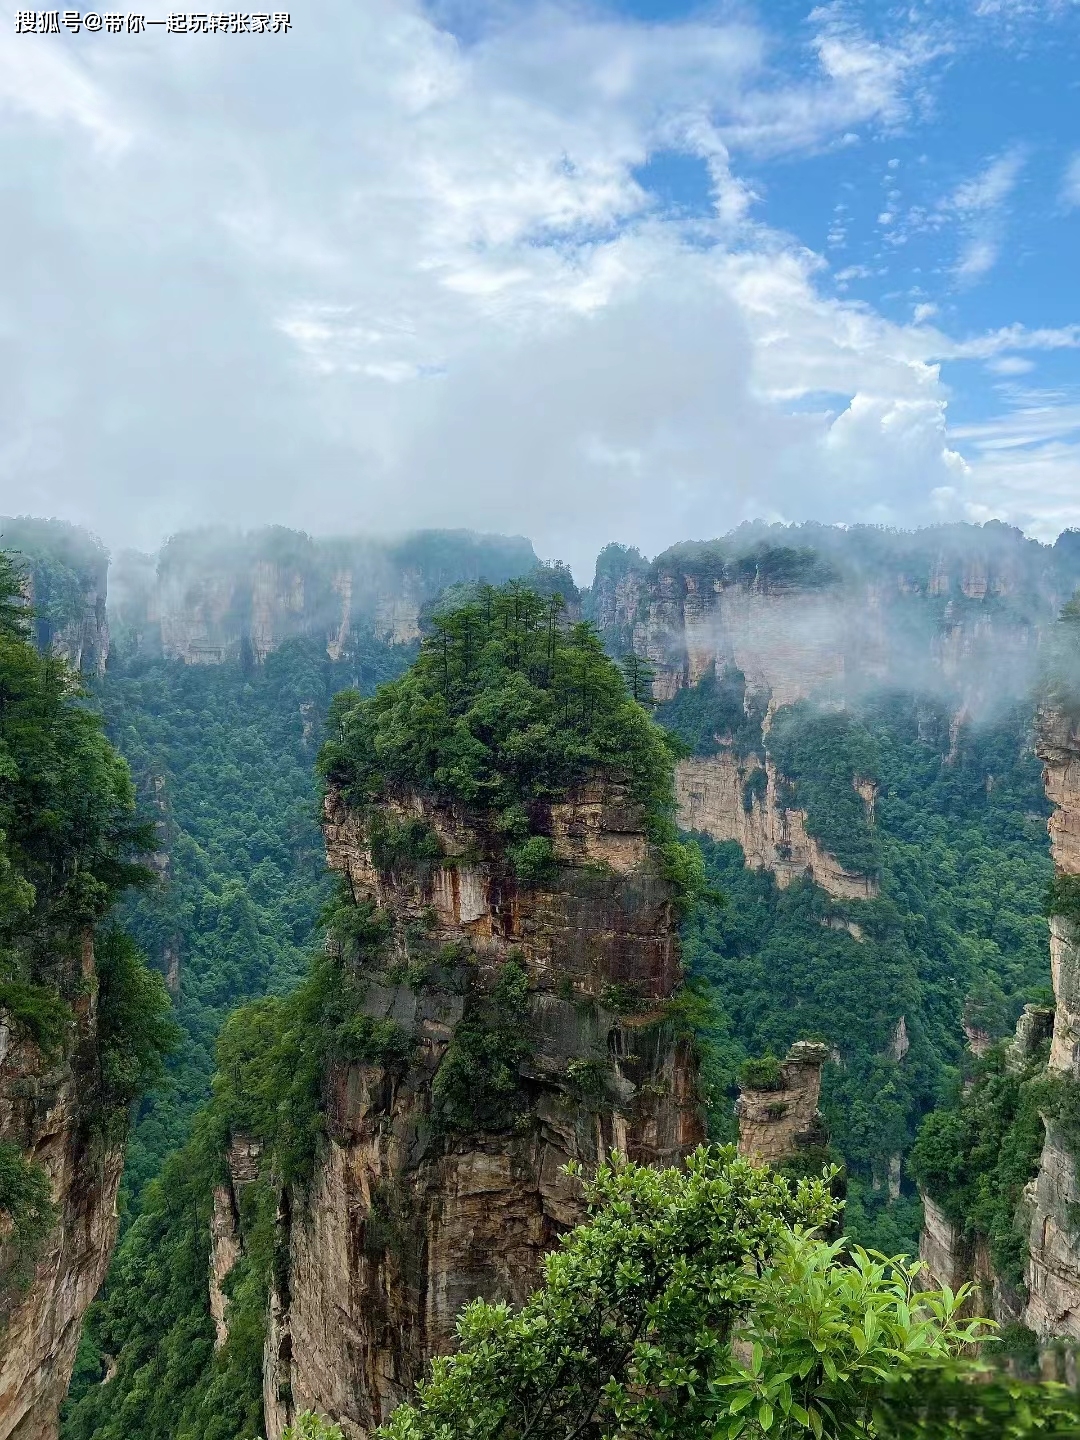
(585, 271)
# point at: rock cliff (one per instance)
(813, 610)
(1049, 1305)
(43, 1113)
(213, 595)
(717, 796)
(407, 1218)
(1053, 1270)
(65, 572)
(781, 1118)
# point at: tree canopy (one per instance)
(506, 705)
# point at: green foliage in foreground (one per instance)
(696, 1303)
(505, 709)
(310, 1426)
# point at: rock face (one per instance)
(777, 1122)
(1053, 1270)
(65, 577)
(211, 595)
(717, 796)
(405, 1222)
(41, 1112)
(964, 604)
(226, 1240)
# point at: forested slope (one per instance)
(956, 936)
(223, 756)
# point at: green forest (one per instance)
(956, 936)
(223, 757)
(224, 765)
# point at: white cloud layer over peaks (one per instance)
(366, 276)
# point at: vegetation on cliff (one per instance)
(975, 1157)
(69, 846)
(505, 711)
(65, 567)
(505, 707)
(956, 936)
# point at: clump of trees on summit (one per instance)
(506, 709)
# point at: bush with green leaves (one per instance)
(761, 1074)
(26, 1201)
(478, 1084)
(310, 1426)
(694, 1302)
(1063, 898)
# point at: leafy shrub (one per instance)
(762, 1074)
(623, 998)
(477, 1086)
(310, 1426)
(37, 1011)
(1063, 898)
(398, 845)
(535, 862)
(26, 1199)
(633, 1330)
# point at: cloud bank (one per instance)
(372, 275)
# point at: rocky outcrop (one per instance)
(407, 1220)
(782, 1118)
(64, 579)
(226, 1236)
(42, 1111)
(721, 796)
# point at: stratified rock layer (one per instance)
(716, 796)
(403, 1224)
(776, 1123)
(40, 1111)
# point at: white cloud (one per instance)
(369, 277)
(992, 187)
(978, 258)
(980, 205)
(1010, 365)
